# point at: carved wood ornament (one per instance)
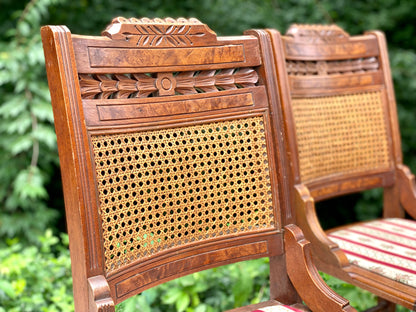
(160, 32)
(317, 33)
(163, 33)
(122, 86)
(328, 38)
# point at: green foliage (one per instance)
(369, 205)
(404, 73)
(358, 298)
(27, 146)
(36, 278)
(216, 289)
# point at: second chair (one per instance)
(342, 137)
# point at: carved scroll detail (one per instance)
(304, 68)
(122, 86)
(100, 297)
(160, 32)
(317, 33)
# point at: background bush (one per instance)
(30, 189)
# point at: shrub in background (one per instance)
(28, 153)
(36, 278)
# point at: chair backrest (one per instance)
(341, 118)
(168, 150)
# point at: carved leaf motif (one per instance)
(317, 33)
(126, 86)
(172, 41)
(107, 85)
(206, 81)
(170, 29)
(141, 30)
(183, 29)
(89, 86)
(225, 80)
(157, 30)
(122, 86)
(157, 40)
(332, 67)
(185, 83)
(116, 86)
(181, 32)
(183, 41)
(145, 85)
(246, 77)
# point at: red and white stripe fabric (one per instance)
(386, 247)
(278, 308)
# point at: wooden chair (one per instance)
(342, 137)
(170, 161)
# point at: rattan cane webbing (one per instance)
(166, 188)
(341, 135)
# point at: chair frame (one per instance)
(86, 104)
(321, 43)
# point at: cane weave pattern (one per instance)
(341, 135)
(165, 188)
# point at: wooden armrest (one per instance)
(305, 277)
(328, 252)
(407, 189)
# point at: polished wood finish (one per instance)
(170, 160)
(317, 64)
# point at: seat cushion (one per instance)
(277, 308)
(386, 247)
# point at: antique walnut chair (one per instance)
(170, 161)
(342, 137)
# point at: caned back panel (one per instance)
(341, 135)
(165, 188)
(181, 152)
(339, 104)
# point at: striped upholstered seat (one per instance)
(387, 247)
(277, 308)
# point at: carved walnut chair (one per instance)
(170, 161)
(342, 137)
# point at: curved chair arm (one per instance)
(305, 277)
(327, 252)
(407, 189)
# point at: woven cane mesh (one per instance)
(166, 188)
(341, 135)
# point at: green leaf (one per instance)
(29, 184)
(187, 280)
(13, 106)
(23, 28)
(7, 288)
(182, 302)
(172, 295)
(20, 125)
(19, 285)
(21, 144)
(45, 134)
(42, 109)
